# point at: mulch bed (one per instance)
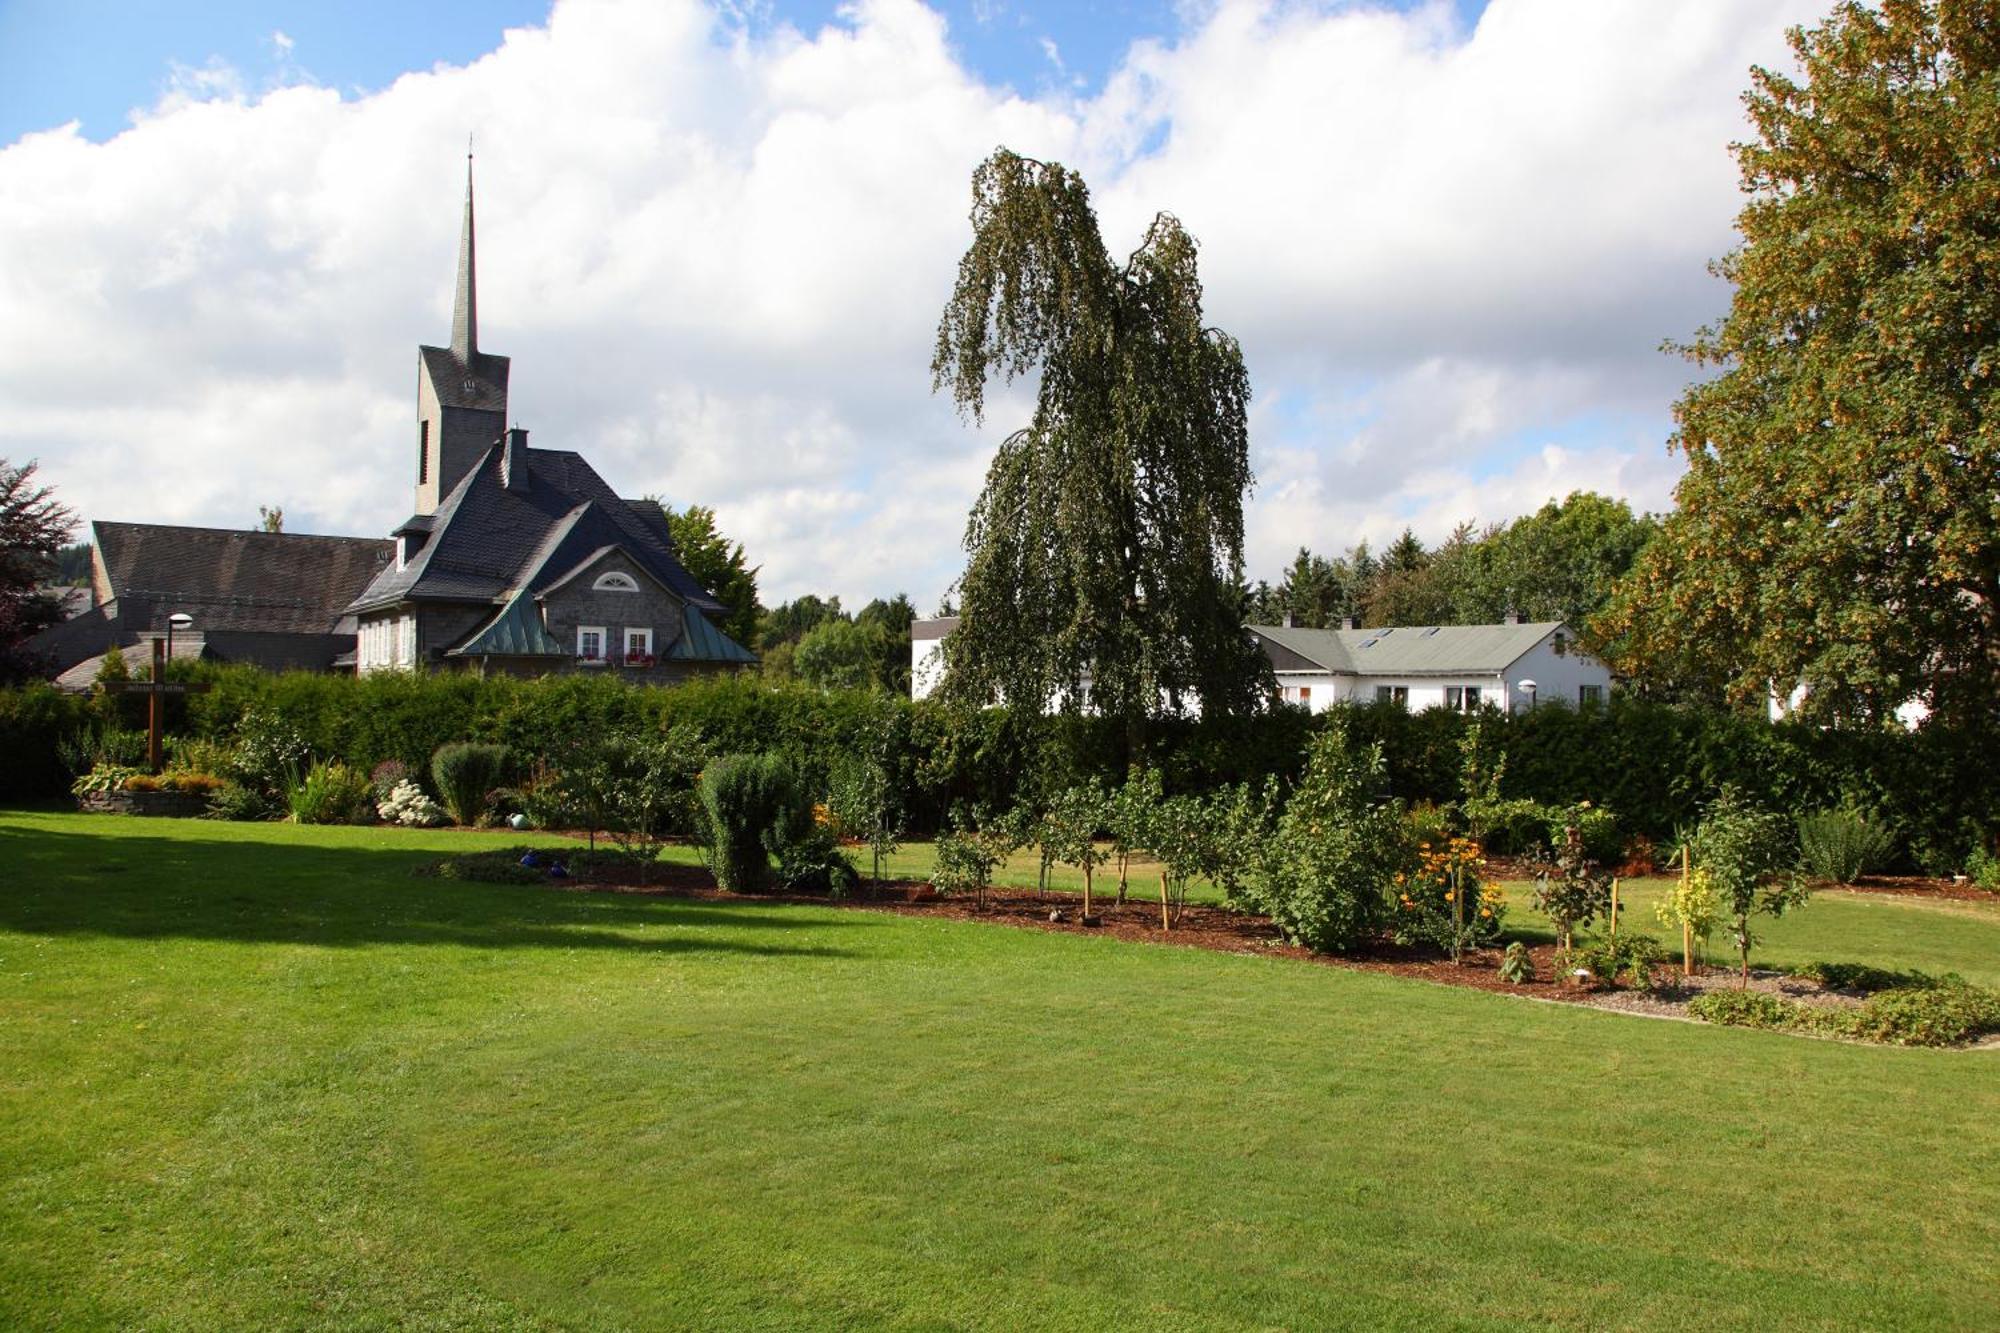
(1196, 926)
(1913, 886)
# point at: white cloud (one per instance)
(717, 251)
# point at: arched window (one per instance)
(614, 582)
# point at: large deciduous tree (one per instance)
(33, 528)
(1837, 524)
(717, 565)
(1106, 549)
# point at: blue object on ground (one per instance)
(558, 871)
(529, 859)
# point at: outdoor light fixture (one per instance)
(178, 620)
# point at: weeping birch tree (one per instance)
(1105, 549)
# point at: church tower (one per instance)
(461, 391)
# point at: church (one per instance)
(515, 559)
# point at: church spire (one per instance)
(465, 308)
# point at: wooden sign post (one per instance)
(154, 687)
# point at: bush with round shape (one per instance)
(752, 803)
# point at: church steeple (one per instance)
(465, 308)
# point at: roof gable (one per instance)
(1418, 650)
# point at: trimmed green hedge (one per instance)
(1653, 764)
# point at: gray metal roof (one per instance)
(1421, 650)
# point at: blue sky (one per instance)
(95, 60)
(1451, 236)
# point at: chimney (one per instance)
(514, 461)
(1350, 621)
(1291, 620)
(1513, 616)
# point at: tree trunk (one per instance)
(1086, 890)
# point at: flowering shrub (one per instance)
(407, 805)
(1694, 909)
(1443, 902)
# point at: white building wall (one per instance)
(1558, 678)
(926, 666)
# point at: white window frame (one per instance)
(614, 580)
(603, 642)
(1589, 694)
(638, 639)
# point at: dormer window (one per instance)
(615, 582)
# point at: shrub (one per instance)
(1857, 976)
(1573, 890)
(1842, 845)
(809, 858)
(141, 782)
(199, 754)
(1597, 827)
(1983, 869)
(407, 805)
(234, 800)
(1442, 901)
(98, 744)
(1747, 853)
(388, 775)
(191, 784)
(1693, 908)
(1323, 880)
(328, 793)
(752, 802)
(638, 788)
(463, 773)
(269, 750)
(1942, 1013)
(1626, 955)
(1517, 967)
(965, 861)
(1744, 1008)
(1925, 1011)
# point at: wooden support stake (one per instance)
(154, 758)
(1086, 888)
(1687, 929)
(1165, 923)
(1614, 907)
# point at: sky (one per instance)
(716, 237)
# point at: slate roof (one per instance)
(490, 544)
(230, 579)
(482, 387)
(1422, 650)
(488, 541)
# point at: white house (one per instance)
(1510, 666)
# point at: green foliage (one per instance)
(1628, 954)
(1107, 543)
(329, 793)
(1598, 828)
(1839, 518)
(1335, 850)
(1923, 1011)
(1517, 966)
(465, 774)
(754, 804)
(637, 787)
(717, 565)
(966, 859)
(104, 778)
(1748, 855)
(1692, 906)
(269, 751)
(1439, 899)
(841, 654)
(1842, 845)
(237, 801)
(1857, 976)
(35, 722)
(809, 859)
(1983, 869)
(1573, 889)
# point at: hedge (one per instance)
(1655, 764)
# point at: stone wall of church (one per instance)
(579, 604)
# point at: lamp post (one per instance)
(178, 620)
(1529, 686)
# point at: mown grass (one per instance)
(262, 1076)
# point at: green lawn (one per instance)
(258, 1076)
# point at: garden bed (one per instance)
(153, 804)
